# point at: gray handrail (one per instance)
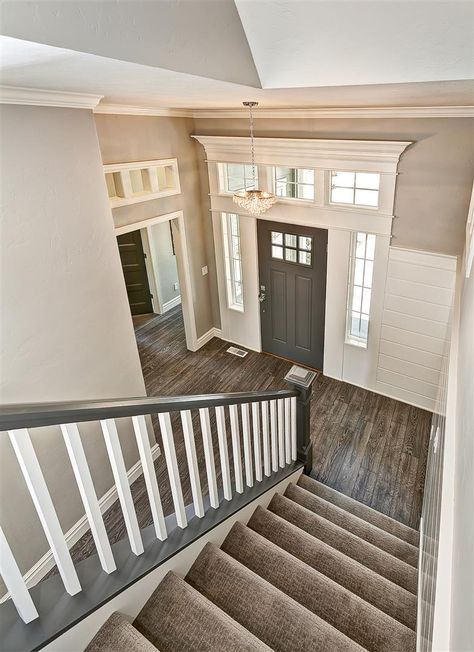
(15, 416)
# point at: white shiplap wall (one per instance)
(414, 337)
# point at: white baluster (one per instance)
(35, 481)
(14, 582)
(234, 429)
(257, 446)
(281, 431)
(117, 463)
(173, 471)
(209, 457)
(190, 445)
(294, 451)
(288, 430)
(247, 446)
(223, 452)
(274, 433)
(75, 450)
(266, 439)
(149, 474)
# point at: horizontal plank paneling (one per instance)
(417, 308)
(418, 371)
(426, 275)
(406, 396)
(424, 258)
(410, 354)
(406, 382)
(414, 290)
(416, 324)
(415, 340)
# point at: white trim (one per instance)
(72, 536)
(310, 112)
(172, 303)
(44, 97)
(359, 155)
(207, 337)
(158, 112)
(182, 260)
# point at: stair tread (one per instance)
(205, 627)
(371, 556)
(117, 633)
(267, 612)
(357, 508)
(357, 619)
(354, 576)
(358, 526)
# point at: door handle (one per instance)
(261, 297)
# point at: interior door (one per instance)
(292, 277)
(134, 271)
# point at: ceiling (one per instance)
(207, 54)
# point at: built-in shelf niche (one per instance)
(130, 183)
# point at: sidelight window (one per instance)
(360, 288)
(294, 183)
(238, 177)
(292, 248)
(356, 188)
(233, 261)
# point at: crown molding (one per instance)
(371, 155)
(124, 109)
(44, 97)
(344, 112)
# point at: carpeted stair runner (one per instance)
(316, 570)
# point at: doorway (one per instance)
(135, 273)
(292, 277)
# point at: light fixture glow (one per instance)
(255, 201)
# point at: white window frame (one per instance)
(223, 178)
(296, 183)
(353, 205)
(356, 340)
(231, 261)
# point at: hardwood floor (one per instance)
(365, 445)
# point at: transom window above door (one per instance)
(292, 248)
(356, 188)
(238, 177)
(294, 183)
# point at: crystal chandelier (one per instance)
(255, 201)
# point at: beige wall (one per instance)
(136, 138)
(66, 329)
(436, 172)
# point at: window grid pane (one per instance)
(360, 287)
(356, 188)
(233, 260)
(294, 183)
(238, 177)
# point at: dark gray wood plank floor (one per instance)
(367, 446)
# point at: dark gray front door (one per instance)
(292, 276)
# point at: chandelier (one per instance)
(254, 201)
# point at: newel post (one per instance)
(301, 380)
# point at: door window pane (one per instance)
(290, 240)
(293, 248)
(290, 255)
(277, 252)
(305, 257)
(277, 238)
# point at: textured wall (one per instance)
(435, 173)
(137, 138)
(66, 329)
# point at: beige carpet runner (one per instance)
(316, 570)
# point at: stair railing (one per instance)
(272, 428)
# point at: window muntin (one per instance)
(360, 288)
(233, 261)
(238, 177)
(294, 183)
(292, 248)
(356, 188)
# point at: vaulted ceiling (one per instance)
(215, 53)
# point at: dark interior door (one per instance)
(292, 270)
(134, 271)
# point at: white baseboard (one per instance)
(172, 303)
(72, 536)
(207, 337)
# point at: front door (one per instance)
(134, 271)
(292, 271)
